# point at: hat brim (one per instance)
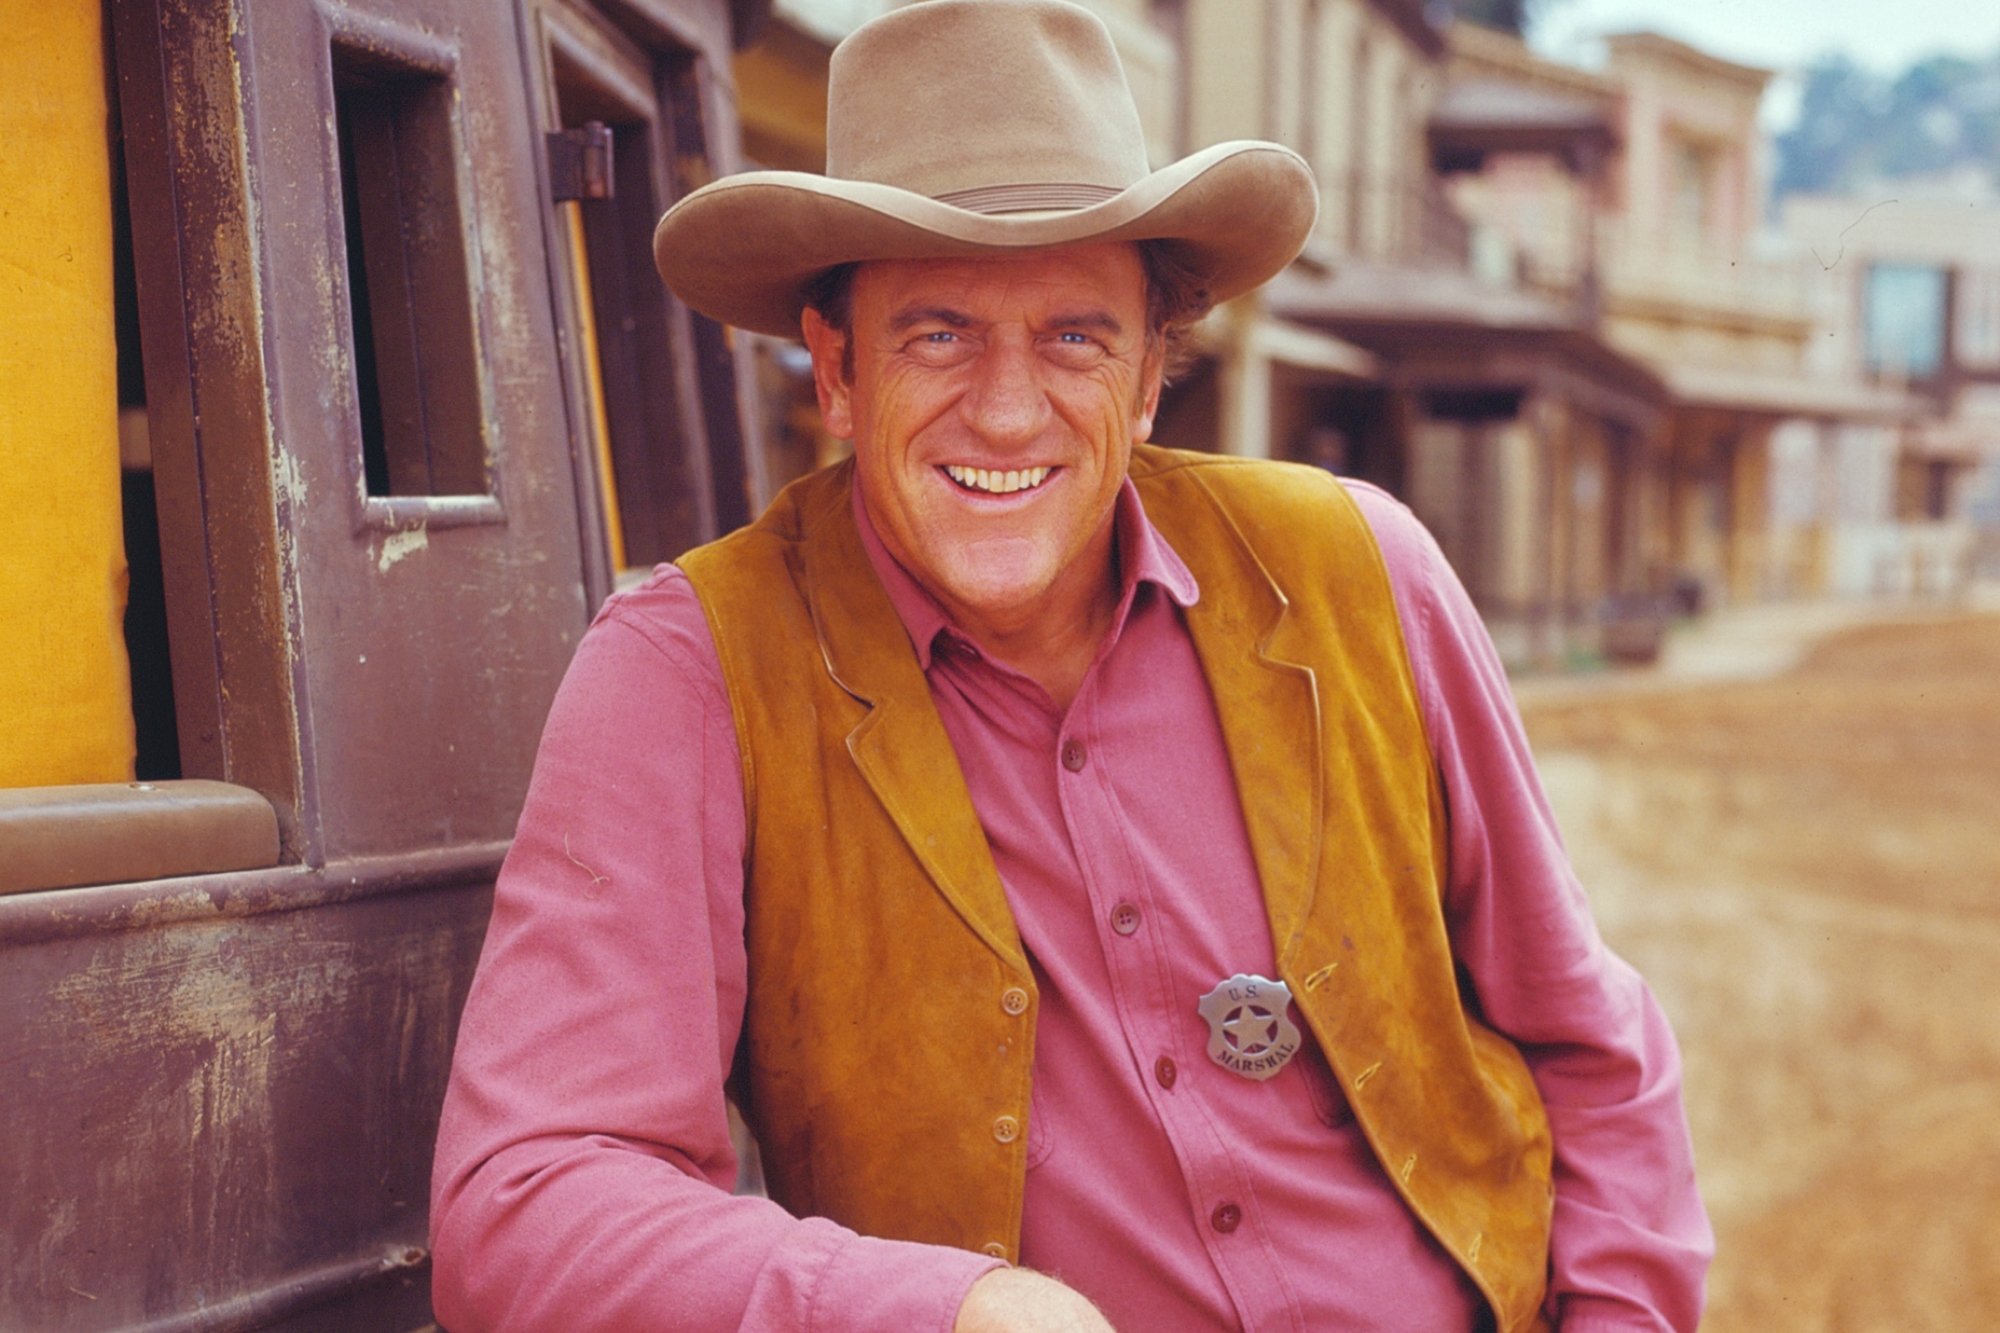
(742, 249)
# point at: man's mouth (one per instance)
(995, 482)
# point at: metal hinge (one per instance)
(580, 162)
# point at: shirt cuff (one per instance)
(869, 1283)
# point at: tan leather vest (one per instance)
(883, 1065)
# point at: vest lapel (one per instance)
(1265, 695)
(900, 746)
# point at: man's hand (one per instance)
(1015, 1300)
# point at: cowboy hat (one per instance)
(973, 127)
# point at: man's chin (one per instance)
(1005, 580)
(996, 603)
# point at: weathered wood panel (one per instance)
(224, 1105)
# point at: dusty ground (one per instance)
(1807, 868)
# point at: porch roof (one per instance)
(1777, 394)
(1477, 116)
(1444, 327)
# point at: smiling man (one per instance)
(1111, 882)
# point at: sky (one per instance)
(1886, 36)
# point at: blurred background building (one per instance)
(1908, 303)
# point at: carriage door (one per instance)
(633, 117)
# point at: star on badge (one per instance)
(1250, 1030)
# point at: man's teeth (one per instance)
(998, 483)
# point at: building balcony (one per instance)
(1655, 273)
(1404, 221)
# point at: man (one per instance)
(1121, 864)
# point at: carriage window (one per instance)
(415, 357)
(91, 788)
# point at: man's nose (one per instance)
(1007, 403)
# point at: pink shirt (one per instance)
(583, 1161)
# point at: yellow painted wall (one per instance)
(65, 710)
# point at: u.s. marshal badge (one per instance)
(1250, 1029)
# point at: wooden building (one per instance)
(1394, 351)
(1910, 311)
(1662, 242)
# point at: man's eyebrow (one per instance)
(1087, 321)
(911, 316)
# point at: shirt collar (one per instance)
(1144, 557)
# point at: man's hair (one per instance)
(1176, 299)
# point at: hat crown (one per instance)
(963, 98)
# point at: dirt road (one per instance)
(1807, 868)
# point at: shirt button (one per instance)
(1165, 1072)
(994, 1248)
(1006, 1129)
(1125, 918)
(1014, 1000)
(1073, 756)
(1226, 1218)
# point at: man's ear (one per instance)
(1152, 378)
(828, 346)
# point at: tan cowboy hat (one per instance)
(970, 127)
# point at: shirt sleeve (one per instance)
(1631, 1241)
(584, 1164)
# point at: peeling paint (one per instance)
(290, 480)
(400, 544)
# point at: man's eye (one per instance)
(939, 338)
(1075, 349)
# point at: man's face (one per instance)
(993, 409)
